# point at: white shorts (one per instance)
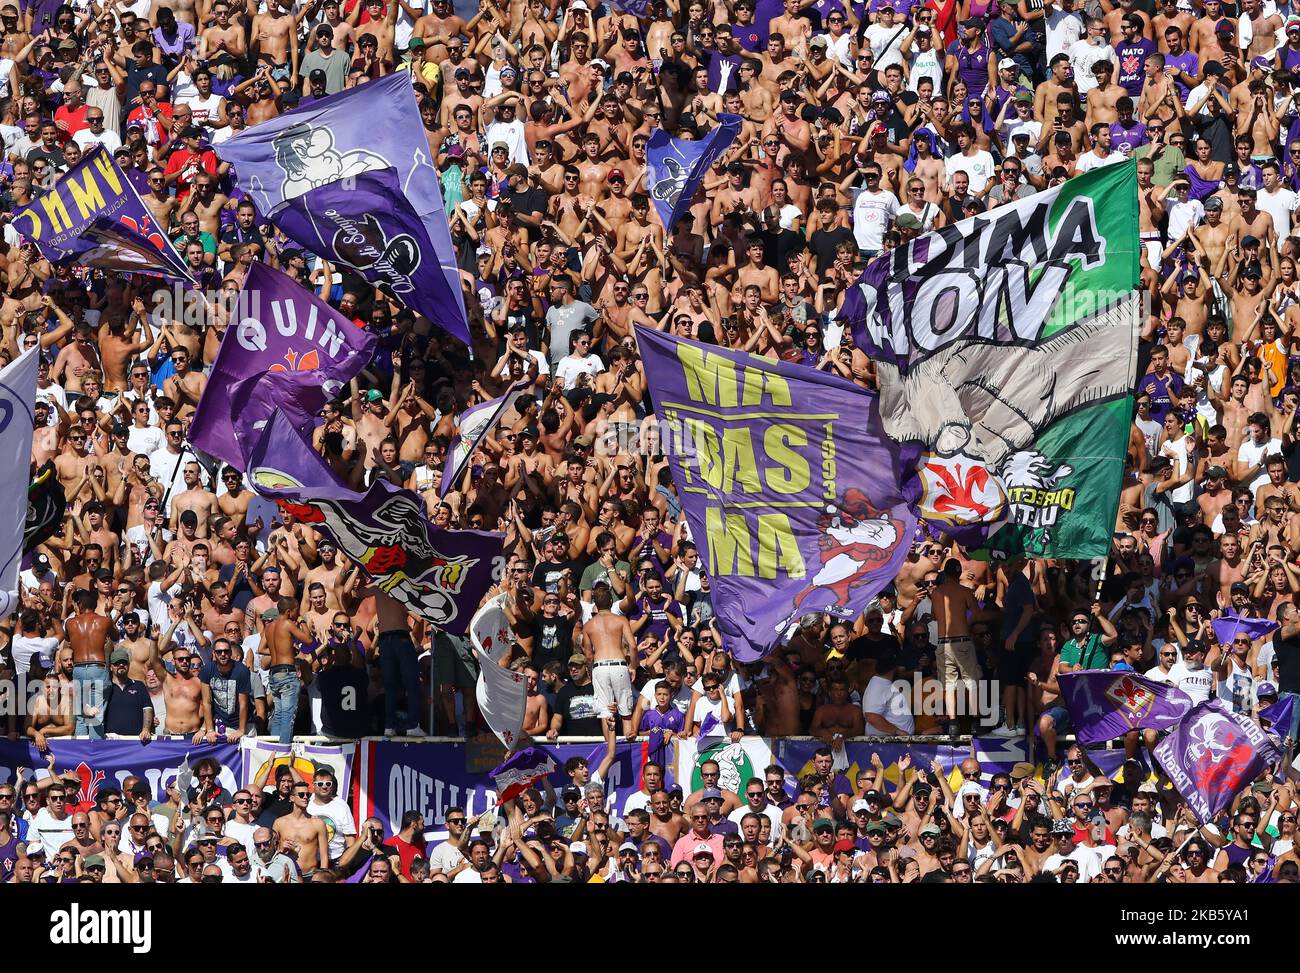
(612, 684)
(1154, 251)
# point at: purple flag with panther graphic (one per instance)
(350, 177)
(1213, 754)
(675, 168)
(439, 575)
(278, 327)
(1106, 703)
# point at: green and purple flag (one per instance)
(1006, 346)
(93, 216)
(1212, 754)
(797, 500)
(1105, 704)
(349, 177)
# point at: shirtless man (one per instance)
(613, 654)
(370, 417)
(1229, 568)
(839, 718)
(88, 635)
(954, 608)
(184, 694)
(118, 345)
(223, 42)
(186, 386)
(284, 685)
(664, 821)
(74, 466)
(221, 609)
(303, 836)
(275, 37)
(196, 498)
(207, 204)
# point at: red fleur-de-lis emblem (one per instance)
(304, 363)
(146, 230)
(960, 493)
(90, 781)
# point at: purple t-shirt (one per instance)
(1132, 59)
(749, 36)
(1126, 138)
(972, 66)
(658, 624)
(652, 719)
(1186, 61)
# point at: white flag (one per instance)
(17, 394)
(502, 693)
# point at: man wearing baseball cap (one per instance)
(128, 710)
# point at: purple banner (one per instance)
(996, 756)
(106, 763)
(439, 575)
(431, 777)
(1106, 703)
(94, 216)
(789, 485)
(472, 427)
(1227, 626)
(675, 168)
(1212, 755)
(362, 158)
(278, 327)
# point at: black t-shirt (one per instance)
(278, 807)
(336, 718)
(124, 708)
(577, 707)
(547, 574)
(552, 641)
(824, 242)
(1287, 653)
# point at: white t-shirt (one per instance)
(1279, 205)
(1091, 160)
(569, 368)
(48, 832)
(203, 110)
(872, 215)
(109, 140)
(445, 857)
(1083, 56)
(339, 823)
(885, 43)
(978, 167)
(23, 648)
(772, 812)
(1250, 453)
(1196, 683)
(1157, 674)
(925, 64)
(883, 698)
(1063, 29)
(681, 699)
(1088, 860)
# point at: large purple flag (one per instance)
(472, 427)
(1107, 703)
(1227, 626)
(793, 493)
(439, 575)
(374, 198)
(93, 216)
(1279, 715)
(277, 327)
(675, 168)
(1213, 754)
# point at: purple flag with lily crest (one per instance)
(363, 154)
(520, 771)
(94, 216)
(675, 168)
(439, 575)
(1228, 627)
(277, 328)
(796, 498)
(1107, 703)
(1212, 754)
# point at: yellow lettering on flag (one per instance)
(777, 548)
(108, 169)
(791, 473)
(729, 552)
(710, 378)
(759, 383)
(55, 212)
(86, 194)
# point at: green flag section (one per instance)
(1006, 346)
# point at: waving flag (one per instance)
(1107, 703)
(349, 177)
(17, 393)
(1213, 754)
(1227, 627)
(502, 694)
(1279, 715)
(788, 483)
(1005, 346)
(439, 575)
(94, 216)
(520, 771)
(281, 328)
(472, 427)
(675, 168)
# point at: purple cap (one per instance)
(1261, 62)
